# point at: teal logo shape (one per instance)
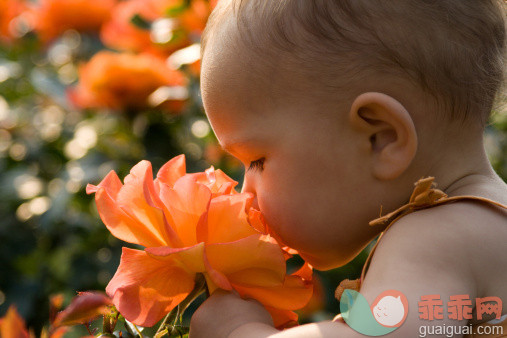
(387, 313)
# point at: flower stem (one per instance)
(176, 314)
(161, 333)
(199, 288)
(137, 329)
(168, 318)
(87, 325)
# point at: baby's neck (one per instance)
(466, 170)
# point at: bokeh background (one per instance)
(89, 86)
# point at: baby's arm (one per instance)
(419, 256)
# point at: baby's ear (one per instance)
(389, 129)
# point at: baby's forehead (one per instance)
(242, 52)
(229, 65)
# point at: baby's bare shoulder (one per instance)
(463, 223)
(452, 249)
(466, 238)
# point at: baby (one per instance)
(336, 108)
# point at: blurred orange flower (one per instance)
(195, 17)
(126, 81)
(12, 325)
(53, 17)
(9, 10)
(164, 32)
(190, 224)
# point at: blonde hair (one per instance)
(454, 50)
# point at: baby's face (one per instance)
(300, 162)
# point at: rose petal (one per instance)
(190, 258)
(218, 279)
(292, 295)
(12, 325)
(227, 189)
(170, 172)
(224, 183)
(132, 198)
(202, 228)
(217, 181)
(283, 319)
(111, 183)
(122, 225)
(151, 194)
(212, 287)
(227, 219)
(305, 272)
(61, 331)
(185, 203)
(145, 289)
(55, 305)
(83, 308)
(256, 221)
(317, 302)
(252, 261)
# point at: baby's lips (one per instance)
(258, 222)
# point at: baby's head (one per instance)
(337, 107)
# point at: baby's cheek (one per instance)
(286, 202)
(276, 212)
(289, 222)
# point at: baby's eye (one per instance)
(257, 164)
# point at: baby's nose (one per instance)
(248, 186)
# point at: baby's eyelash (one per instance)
(257, 164)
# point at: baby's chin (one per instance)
(322, 263)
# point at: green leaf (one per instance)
(178, 9)
(140, 22)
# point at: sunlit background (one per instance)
(89, 86)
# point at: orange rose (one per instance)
(191, 224)
(53, 17)
(195, 17)
(125, 81)
(120, 33)
(12, 325)
(178, 30)
(9, 9)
